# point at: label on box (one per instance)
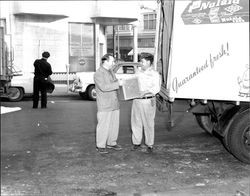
(130, 89)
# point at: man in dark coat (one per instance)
(42, 72)
(108, 108)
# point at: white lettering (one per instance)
(212, 5)
(218, 3)
(235, 19)
(204, 6)
(195, 5)
(236, 2)
(223, 2)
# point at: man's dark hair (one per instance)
(46, 54)
(106, 57)
(147, 56)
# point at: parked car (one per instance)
(84, 81)
(21, 85)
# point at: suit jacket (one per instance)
(107, 87)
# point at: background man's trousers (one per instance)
(107, 129)
(39, 86)
(142, 117)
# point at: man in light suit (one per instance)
(144, 108)
(108, 112)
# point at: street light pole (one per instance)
(118, 43)
(135, 45)
(114, 45)
(67, 70)
(158, 15)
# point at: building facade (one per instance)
(74, 32)
(122, 35)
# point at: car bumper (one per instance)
(76, 88)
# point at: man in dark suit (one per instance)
(42, 72)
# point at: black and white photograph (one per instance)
(125, 98)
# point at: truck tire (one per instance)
(238, 137)
(15, 94)
(204, 121)
(91, 93)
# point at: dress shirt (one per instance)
(149, 80)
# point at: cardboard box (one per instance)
(130, 89)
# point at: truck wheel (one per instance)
(238, 137)
(15, 94)
(205, 122)
(91, 92)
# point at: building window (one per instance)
(124, 27)
(149, 21)
(146, 43)
(81, 47)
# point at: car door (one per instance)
(24, 81)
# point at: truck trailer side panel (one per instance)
(210, 51)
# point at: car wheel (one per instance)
(91, 92)
(15, 94)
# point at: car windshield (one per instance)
(125, 68)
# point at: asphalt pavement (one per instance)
(62, 90)
(52, 152)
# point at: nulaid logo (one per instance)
(216, 11)
(203, 5)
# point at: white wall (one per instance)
(124, 9)
(31, 39)
(43, 25)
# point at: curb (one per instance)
(62, 95)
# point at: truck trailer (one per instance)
(5, 63)
(202, 54)
(7, 70)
